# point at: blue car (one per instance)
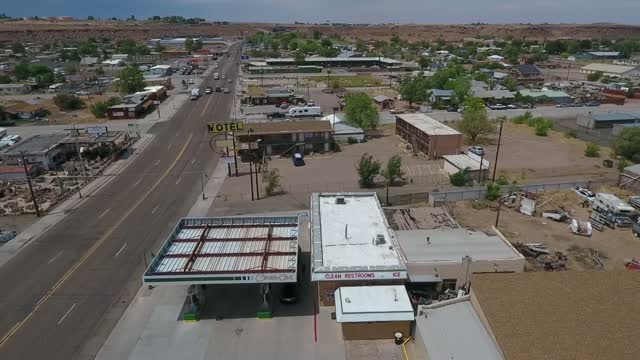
(298, 160)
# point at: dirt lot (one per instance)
(65, 117)
(45, 31)
(616, 245)
(527, 158)
(336, 172)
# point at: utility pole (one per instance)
(75, 137)
(480, 177)
(250, 164)
(26, 174)
(228, 164)
(202, 186)
(495, 162)
(235, 156)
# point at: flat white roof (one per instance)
(362, 220)
(455, 331)
(373, 303)
(427, 124)
(463, 161)
(451, 245)
(608, 68)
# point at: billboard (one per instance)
(224, 127)
(96, 129)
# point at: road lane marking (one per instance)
(137, 182)
(55, 257)
(169, 147)
(104, 213)
(179, 179)
(154, 209)
(122, 248)
(93, 248)
(206, 106)
(157, 162)
(66, 314)
(192, 161)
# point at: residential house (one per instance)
(441, 95)
(45, 150)
(495, 58)
(161, 70)
(528, 71)
(24, 110)
(384, 102)
(89, 61)
(14, 89)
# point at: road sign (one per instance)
(96, 129)
(223, 127)
(224, 143)
(227, 159)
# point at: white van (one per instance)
(305, 111)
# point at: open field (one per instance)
(56, 116)
(349, 81)
(526, 157)
(46, 31)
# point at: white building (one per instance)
(352, 244)
(611, 70)
(495, 58)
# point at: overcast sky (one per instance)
(351, 11)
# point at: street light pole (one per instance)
(26, 174)
(495, 162)
(202, 186)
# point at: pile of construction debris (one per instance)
(542, 258)
(420, 218)
(590, 259)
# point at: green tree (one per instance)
(414, 90)
(100, 108)
(71, 68)
(361, 111)
(272, 180)
(131, 80)
(511, 83)
(5, 79)
(493, 192)
(475, 120)
(592, 150)
(627, 144)
(17, 48)
(461, 178)
(392, 172)
(299, 57)
(622, 163)
(67, 102)
(424, 62)
(99, 71)
(367, 169)
(461, 87)
(361, 46)
(595, 76)
(21, 71)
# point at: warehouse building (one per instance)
(547, 96)
(612, 70)
(448, 256)
(428, 136)
(336, 61)
(44, 150)
(607, 120)
(351, 244)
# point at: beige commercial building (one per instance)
(450, 256)
(611, 70)
(428, 136)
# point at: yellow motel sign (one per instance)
(224, 127)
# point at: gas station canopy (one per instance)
(224, 250)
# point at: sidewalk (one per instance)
(10, 249)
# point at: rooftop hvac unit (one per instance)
(340, 200)
(380, 240)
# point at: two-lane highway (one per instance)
(62, 295)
